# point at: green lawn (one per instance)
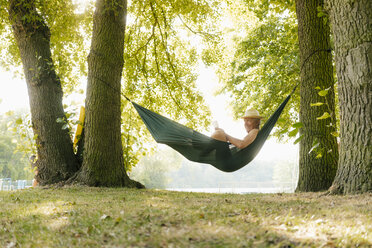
(107, 217)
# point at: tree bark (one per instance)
(352, 30)
(56, 160)
(103, 154)
(315, 174)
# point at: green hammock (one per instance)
(200, 148)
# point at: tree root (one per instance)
(135, 184)
(79, 179)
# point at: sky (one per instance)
(13, 92)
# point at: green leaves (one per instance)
(297, 126)
(323, 92)
(293, 133)
(319, 155)
(9, 113)
(298, 139)
(162, 56)
(316, 144)
(322, 14)
(60, 120)
(19, 121)
(64, 122)
(317, 104)
(161, 60)
(65, 126)
(335, 134)
(318, 149)
(264, 68)
(325, 115)
(16, 144)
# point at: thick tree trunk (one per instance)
(56, 160)
(352, 29)
(315, 174)
(103, 155)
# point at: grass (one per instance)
(106, 217)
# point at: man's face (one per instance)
(249, 124)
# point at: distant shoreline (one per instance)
(235, 190)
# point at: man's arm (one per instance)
(251, 136)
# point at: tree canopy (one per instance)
(264, 67)
(161, 57)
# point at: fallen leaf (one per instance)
(11, 245)
(105, 217)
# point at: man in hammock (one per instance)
(252, 120)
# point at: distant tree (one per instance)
(285, 173)
(154, 170)
(6, 150)
(196, 175)
(351, 23)
(14, 159)
(318, 145)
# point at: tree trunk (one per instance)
(56, 160)
(316, 173)
(352, 29)
(103, 155)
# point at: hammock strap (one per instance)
(128, 99)
(294, 89)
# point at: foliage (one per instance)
(264, 68)
(334, 126)
(264, 8)
(316, 147)
(69, 35)
(15, 144)
(71, 120)
(106, 217)
(161, 57)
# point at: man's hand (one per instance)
(219, 129)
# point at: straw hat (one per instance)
(252, 113)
